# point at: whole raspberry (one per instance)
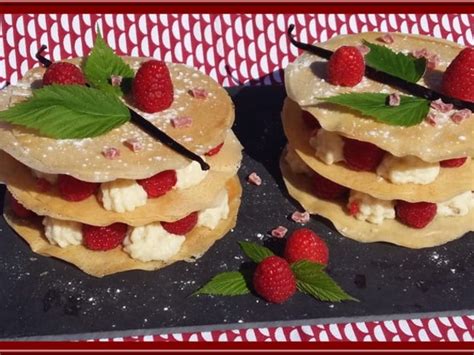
(453, 163)
(18, 209)
(346, 66)
(416, 215)
(215, 150)
(152, 88)
(458, 79)
(182, 226)
(104, 238)
(159, 184)
(72, 189)
(327, 189)
(273, 280)
(362, 156)
(304, 244)
(63, 73)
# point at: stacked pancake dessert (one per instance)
(109, 195)
(380, 137)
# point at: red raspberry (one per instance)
(458, 79)
(104, 238)
(18, 209)
(346, 66)
(159, 184)
(63, 73)
(152, 87)
(274, 280)
(327, 189)
(215, 150)
(304, 244)
(43, 185)
(72, 189)
(182, 226)
(453, 163)
(353, 208)
(415, 215)
(362, 155)
(310, 121)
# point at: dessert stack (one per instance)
(379, 163)
(116, 198)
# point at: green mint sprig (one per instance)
(102, 63)
(400, 65)
(68, 111)
(310, 279)
(410, 112)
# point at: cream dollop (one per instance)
(459, 205)
(371, 209)
(210, 217)
(407, 170)
(62, 233)
(190, 175)
(122, 195)
(328, 146)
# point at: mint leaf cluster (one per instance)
(76, 111)
(410, 112)
(310, 278)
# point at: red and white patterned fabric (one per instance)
(233, 49)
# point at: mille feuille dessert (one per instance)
(88, 183)
(378, 159)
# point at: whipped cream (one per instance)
(189, 176)
(152, 242)
(328, 146)
(407, 170)
(372, 209)
(297, 165)
(210, 217)
(459, 205)
(62, 233)
(51, 178)
(122, 195)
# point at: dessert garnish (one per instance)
(276, 278)
(402, 72)
(62, 109)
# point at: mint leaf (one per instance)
(410, 112)
(102, 63)
(311, 279)
(255, 252)
(400, 65)
(68, 111)
(225, 284)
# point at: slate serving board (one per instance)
(44, 298)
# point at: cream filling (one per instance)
(190, 175)
(407, 170)
(371, 209)
(210, 217)
(328, 146)
(122, 195)
(459, 205)
(62, 233)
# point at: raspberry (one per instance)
(215, 150)
(327, 189)
(458, 79)
(452, 163)
(104, 238)
(72, 189)
(346, 66)
(18, 209)
(159, 184)
(304, 244)
(353, 208)
(362, 155)
(274, 280)
(415, 215)
(182, 226)
(152, 88)
(310, 121)
(43, 185)
(63, 73)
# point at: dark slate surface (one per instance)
(44, 297)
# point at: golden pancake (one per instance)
(449, 183)
(98, 263)
(172, 206)
(82, 158)
(304, 81)
(440, 231)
